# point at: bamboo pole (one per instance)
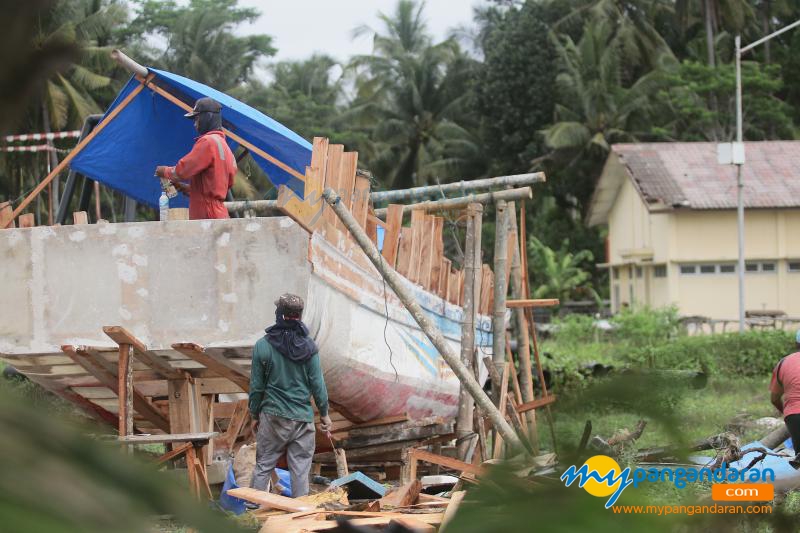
(416, 193)
(523, 337)
(268, 207)
(460, 202)
(70, 156)
(472, 248)
(500, 288)
(398, 285)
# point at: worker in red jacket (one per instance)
(209, 167)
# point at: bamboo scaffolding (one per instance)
(398, 285)
(417, 193)
(461, 202)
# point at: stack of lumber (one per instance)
(405, 505)
(382, 442)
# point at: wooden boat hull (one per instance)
(214, 283)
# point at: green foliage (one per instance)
(515, 83)
(646, 327)
(409, 91)
(698, 101)
(560, 273)
(201, 40)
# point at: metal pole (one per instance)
(399, 286)
(465, 403)
(739, 183)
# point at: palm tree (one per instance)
(594, 109)
(560, 273)
(200, 40)
(407, 90)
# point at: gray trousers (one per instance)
(275, 436)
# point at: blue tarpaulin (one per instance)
(152, 131)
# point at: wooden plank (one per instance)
(416, 455)
(404, 252)
(391, 239)
(535, 404)
(498, 439)
(372, 423)
(216, 362)
(361, 191)
(444, 277)
(453, 287)
(270, 501)
(177, 452)
(412, 524)
(125, 390)
(6, 213)
(372, 228)
(239, 418)
(402, 496)
(486, 289)
(178, 213)
(427, 250)
(437, 254)
(347, 181)
(199, 437)
(122, 336)
(106, 374)
(461, 277)
(331, 178)
(27, 220)
(535, 302)
(382, 519)
(396, 435)
(80, 217)
(417, 236)
(455, 501)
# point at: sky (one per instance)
(301, 27)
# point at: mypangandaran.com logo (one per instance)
(602, 476)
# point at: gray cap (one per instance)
(290, 302)
(204, 105)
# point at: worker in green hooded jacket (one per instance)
(285, 374)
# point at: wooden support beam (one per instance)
(80, 217)
(455, 501)
(536, 302)
(426, 251)
(535, 404)
(391, 240)
(174, 454)
(417, 236)
(217, 363)
(437, 254)
(122, 336)
(361, 200)
(6, 210)
(239, 418)
(402, 496)
(416, 455)
(27, 220)
(404, 251)
(106, 374)
(125, 390)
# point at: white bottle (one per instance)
(163, 207)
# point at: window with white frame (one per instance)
(712, 268)
(793, 266)
(660, 271)
(765, 267)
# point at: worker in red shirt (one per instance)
(785, 395)
(209, 167)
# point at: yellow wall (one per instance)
(696, 237)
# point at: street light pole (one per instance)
(739, 184)
(739, 160)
